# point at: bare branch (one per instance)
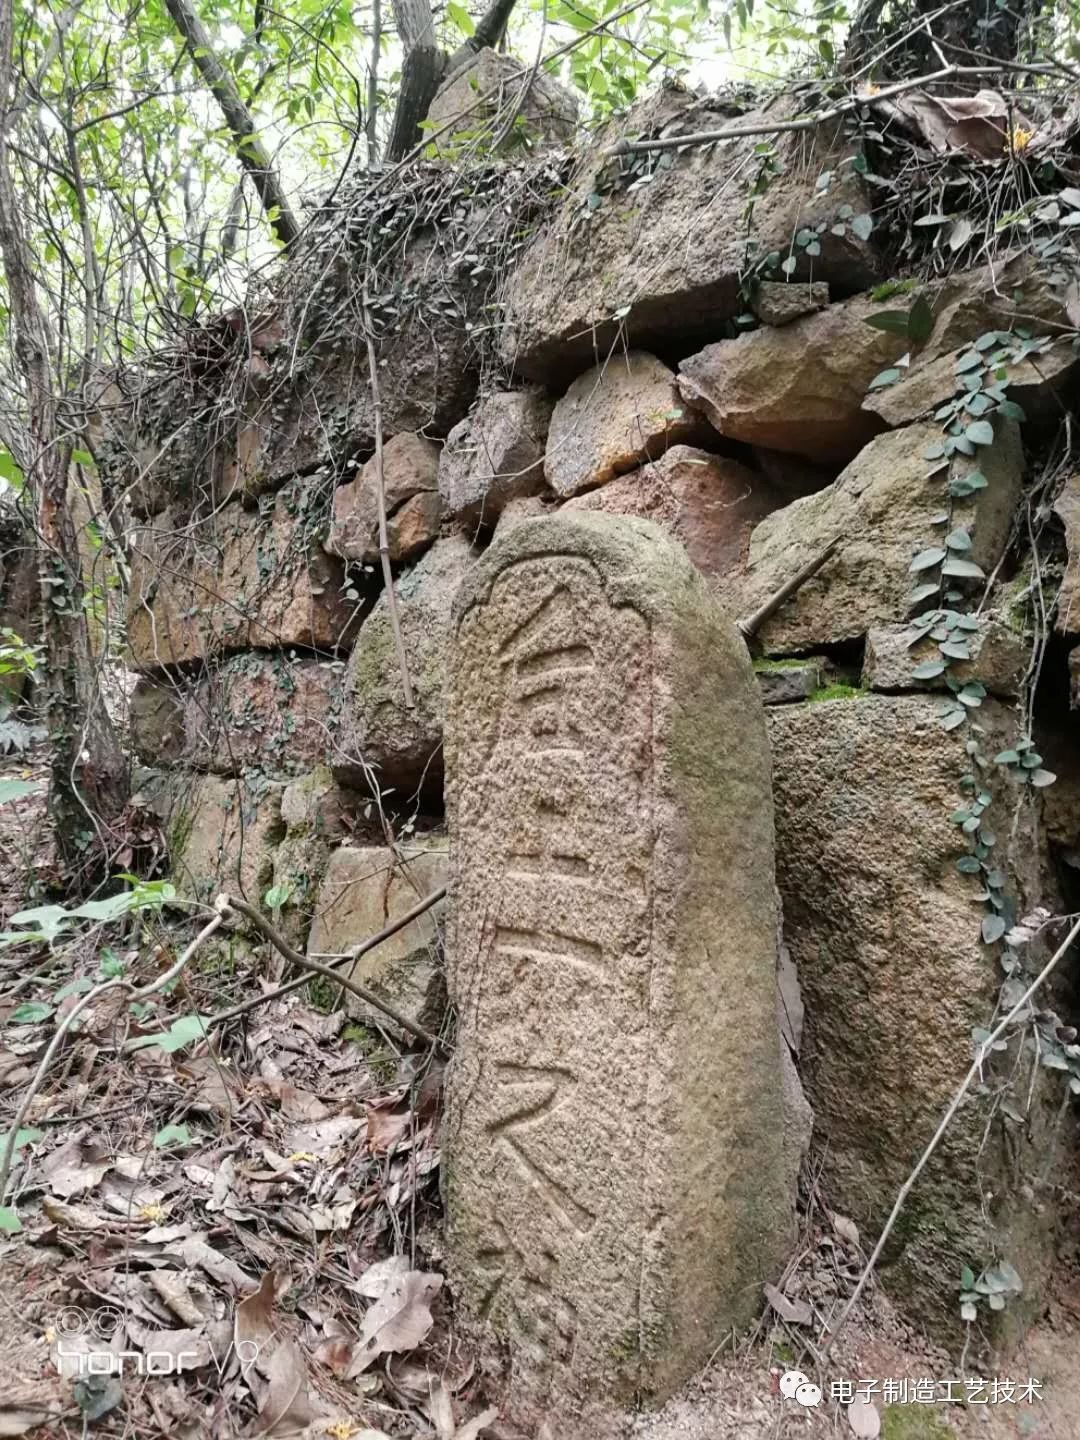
(250, 149)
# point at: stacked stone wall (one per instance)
(271, 709)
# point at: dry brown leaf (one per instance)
(846, 1229)
(195, 1251)
(285, 1408)
(71, 1354)
(399, 1320)
(71, 1170)
(319, 1218)
(254, 1320)
(174, 1291)
(166, 1234)
(387, 1128)
(71, 1217)
(795, 1312)
(187, 1349)
(299, 1105)
(978, 124)
(440, 1408)
(18, 1419)
(336, 1354)
(373, 1283)
(323, 1135)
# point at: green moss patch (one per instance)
(837, 692)
(914, 1422)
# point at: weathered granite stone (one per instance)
(410, 485)
(530, 507)
(612, 418)
(885, 933)
(221, 837)
(778, 302)
(315, 811)
(205, 588)
(1067, 509)
(1038, 385)
(367, 886)
(156, 717)
(615, 1175)
(404, 746)
(709, 503)
(999, 659)
(624, 262)
(496, 455)
(150, 435)
(881, 511)
(278, 713)
(784, 682)
(316, 804)
(804, 387)
(309, 401)
(548, 111)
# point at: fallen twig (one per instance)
(331, 972)
(751, 624)
(973, 1073)
(806, 122)
(69, 1020)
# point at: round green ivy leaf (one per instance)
(993, 928)
(926, 559)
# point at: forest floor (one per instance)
(261, 1217)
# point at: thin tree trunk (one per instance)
(425, 66)
(371, 125)
(489, 31)
(421, 71)
(979, 28)
(252, 152)
(89, 774)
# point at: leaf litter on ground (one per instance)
(251, 1208)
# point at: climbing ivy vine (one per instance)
(945, 601)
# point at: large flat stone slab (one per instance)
(221, 836)
(496, 455)
(404, 746)
(616, 1187)
(612, 419)
(651, 249)
(277, 712)
(709, 503)
(204, 588)
(805, 388)
(881, 512)
(885, 933)
(410, 471)
(367, 886)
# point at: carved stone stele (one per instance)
(614, 1177)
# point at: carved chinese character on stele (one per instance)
(615, 1184)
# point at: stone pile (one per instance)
(271, 694)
